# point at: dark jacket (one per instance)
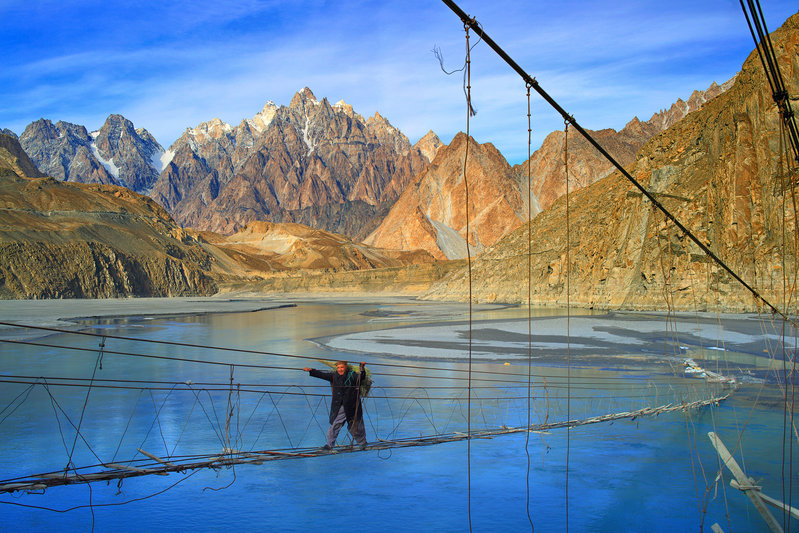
(346, 392)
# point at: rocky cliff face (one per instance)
(74, 240)
(13, 158)
(431, 213)
(416, 222)
(116, 154)
(132, 156)
(429, 145)
(718, 170)
(586, 164)
(288, 164)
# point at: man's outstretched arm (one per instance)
(327, 376)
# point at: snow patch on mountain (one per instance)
(160, 159)
(306, 136)
(107, 163)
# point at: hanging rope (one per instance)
(97, 364)
(568, 310)
(529, 302)
(788, 185)
(469, 113)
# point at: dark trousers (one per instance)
(357, 429)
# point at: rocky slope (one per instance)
(431, 213)
(116, 154)
(311, 162)
(13, 158)
(405, 280)
(73, 240)
(429, 145)
(586, 164)
(266, 247)
(717, 170)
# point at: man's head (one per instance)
(341, 367)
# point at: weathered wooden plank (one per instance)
(754, 495)
(793, 511)
(136, 469)
(11, 487)
(155, 457)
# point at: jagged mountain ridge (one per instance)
(116, 154)
(586, 164)
(417, 220)
(717, 170)
(431, 213)
(287, 164)
(311, 162)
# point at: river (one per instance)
(176, 398)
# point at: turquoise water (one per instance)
(650, 474)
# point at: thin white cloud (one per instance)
(603, 61)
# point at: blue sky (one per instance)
(167, 65)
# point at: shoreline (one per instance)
(67, 314)
(20, 318)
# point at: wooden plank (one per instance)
(155, 458)
(287, 454)
(11, 487)
(754, 495)
(793, 511)
(136, 469)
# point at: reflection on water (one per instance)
(196, 396)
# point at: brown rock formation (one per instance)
(14, 158)
(74, 240)
(310, 162)
(718, 170)
(429, 145)
(586, 164)
(431, 213)
(406, 280)
(264, 247)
